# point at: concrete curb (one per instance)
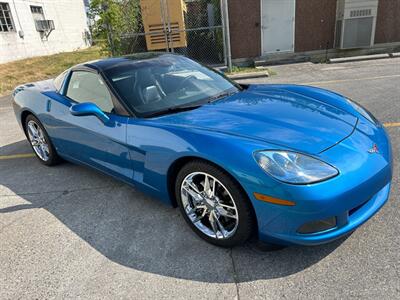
(5, 101)
(249, 75)
(358, 58)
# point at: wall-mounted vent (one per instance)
(158, 37)
(164, 23)
(360, 13)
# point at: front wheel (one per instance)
(213, 204)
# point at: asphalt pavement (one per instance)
(70, 232)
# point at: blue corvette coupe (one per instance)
(290, 164)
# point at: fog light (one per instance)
(317, 226)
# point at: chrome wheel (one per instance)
(38, 140)
(209, 205)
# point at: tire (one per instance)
(224, 201)
(40, 142)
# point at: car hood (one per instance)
(274, 115)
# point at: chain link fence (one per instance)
(191, 27)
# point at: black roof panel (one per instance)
(103, 64)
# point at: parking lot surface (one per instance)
(70, 232)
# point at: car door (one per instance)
(86, 138)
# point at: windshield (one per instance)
(165, 83)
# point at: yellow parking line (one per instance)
(347, 80)
(392, 124)
(14, 156)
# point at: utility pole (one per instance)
(226, 33)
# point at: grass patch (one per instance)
(42, 67)
(239, 70)
(272, 72)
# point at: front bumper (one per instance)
(352, 197)
(346, 223)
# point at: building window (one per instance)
(37, 13)
(6, 22)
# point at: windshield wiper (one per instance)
(174, 109)
(220, 96)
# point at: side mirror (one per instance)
(88, 108)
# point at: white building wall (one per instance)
(69, 21)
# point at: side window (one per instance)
(58, 81)
(89, 87)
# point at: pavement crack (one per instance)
(235, 275)
(64, 192)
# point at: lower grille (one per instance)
(353, 210)
(317, 226)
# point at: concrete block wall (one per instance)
(70, 24)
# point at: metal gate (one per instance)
(190, 27)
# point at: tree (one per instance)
(114, 21)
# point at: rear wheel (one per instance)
(214, 205)
(40, 141)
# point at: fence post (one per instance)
(164, 11)
(225, 30)
(110, 38)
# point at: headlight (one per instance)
(292, 167)
(366, 114)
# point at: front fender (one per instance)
(154, 149)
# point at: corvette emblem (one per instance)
(374, 149)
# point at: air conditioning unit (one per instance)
(355, 23)
(44, 25)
